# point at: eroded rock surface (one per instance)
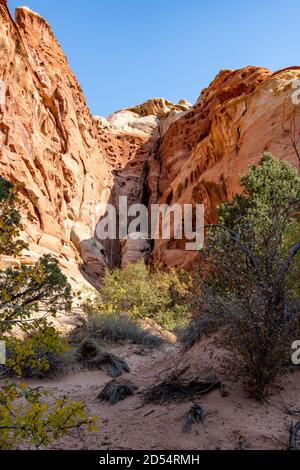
(239, 116)
(157, 152)
(48, 140)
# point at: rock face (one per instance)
(157, 152)
(239, 116)
(131, 140)
(48, 140)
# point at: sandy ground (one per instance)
(231, 422)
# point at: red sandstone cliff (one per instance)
(48, 140)
(157, 152)
(239, 116)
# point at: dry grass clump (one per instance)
(293, 444)
(91, 354)
(177, 389)
(196, 330)
(117, 390)
(120, 329)
(88, 349)
(113, 365)
(194, 416)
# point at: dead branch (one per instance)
(293, 436)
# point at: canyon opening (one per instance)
(149, 247)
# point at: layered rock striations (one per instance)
(73, 164)
(48, 140)
(239, 116)
(131, 141)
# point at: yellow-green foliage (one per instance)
(32, 352)
(27, 417)
(29, 296)
(144, 293)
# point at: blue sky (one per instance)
(124, 52)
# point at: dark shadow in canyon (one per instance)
(138, 179)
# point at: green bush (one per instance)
(30, 297)
(249, 283)
(36, 355)
(143, 293)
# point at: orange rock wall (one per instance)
(157, 152)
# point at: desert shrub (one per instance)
(142, 293)
(117, 390)
(247, 283)
(41, 364)
(10, 219)
(90, 354)
(27, 417)
(119, 328)
(194, 416)
(198, 327)
(30, 297)
(292, 231)
(39, 354)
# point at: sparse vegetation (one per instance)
(143, 293)
(249, 279)
(248, 289)
(29, 297)
(177, 389)
(117, 390)
(91, 355)
(116, 328)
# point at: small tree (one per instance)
(248, 279)
(29, 297)
(10, 219)
(27, 417)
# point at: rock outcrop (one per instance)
(239, 116)
(73, 164)
(130, 140)
(48, 140)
